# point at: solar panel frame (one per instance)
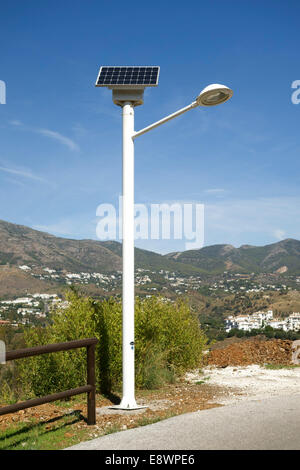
(128, 76)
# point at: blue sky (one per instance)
(60, 137)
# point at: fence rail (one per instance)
(89, 389)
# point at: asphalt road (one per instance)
(270, 424)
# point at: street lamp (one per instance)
(127, 85)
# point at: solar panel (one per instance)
(127, 76)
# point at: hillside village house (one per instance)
(261, 319)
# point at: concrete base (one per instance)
(115, 410)
(129, 407)
(154, 405)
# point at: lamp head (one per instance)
(214, 94)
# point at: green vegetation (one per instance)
(10, 386)
(56, 433)
(203, 381)
(169, 341)
(268, 331)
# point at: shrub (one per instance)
(108, 323)
(173, 329)
(152, 368)
(59, 371)
(240, 333)
(168, 341)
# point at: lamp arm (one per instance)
(167, 118)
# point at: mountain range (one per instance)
(280, 257)
(20, 245)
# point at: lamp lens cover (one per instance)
(217, 97)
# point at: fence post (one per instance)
(90, 388)
(91, 380)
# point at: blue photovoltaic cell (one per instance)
(144, 76)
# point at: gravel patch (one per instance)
(249, 382)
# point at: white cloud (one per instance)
(48, 133)
(238, 221)
(60, 228)
(25, 173)
(16, 123)
(79, 226)
(59, 137)
(280, 234)
(16, 182)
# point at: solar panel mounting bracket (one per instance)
(135, 96)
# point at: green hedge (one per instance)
(168, 342)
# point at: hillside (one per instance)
(15, 282)
(281, 257)
(21, 245)
(150, 260)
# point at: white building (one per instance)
(25, 268)
(294, 322)
(259, 320)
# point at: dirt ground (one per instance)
(252, 351)
(252, 369)
(171, 400)
(233, 372)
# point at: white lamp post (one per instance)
(127, 84)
